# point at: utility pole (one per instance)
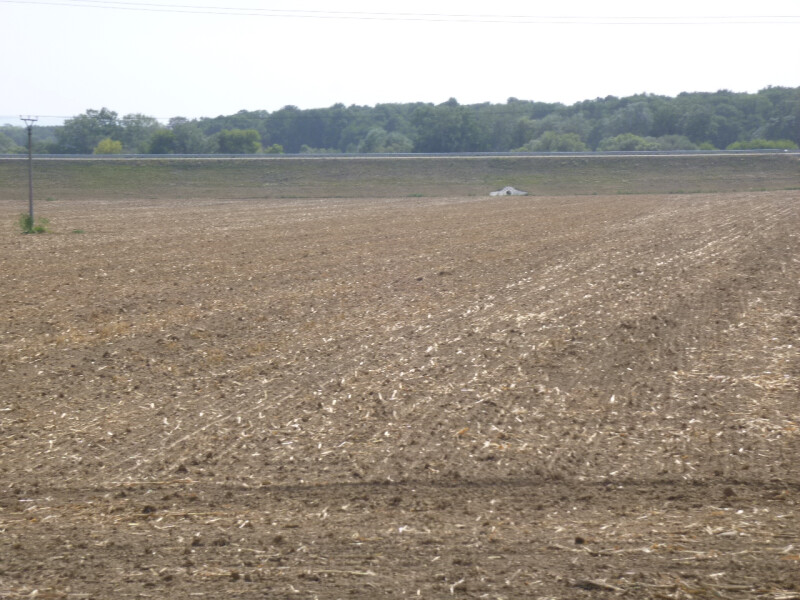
(29, 121)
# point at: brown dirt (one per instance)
(464, 397)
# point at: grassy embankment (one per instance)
(395, 177)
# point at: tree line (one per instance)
(769, 118)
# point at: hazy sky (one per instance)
(197, 58)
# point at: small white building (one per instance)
(508, 191)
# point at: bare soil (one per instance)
(550, 397)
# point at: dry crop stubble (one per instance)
(521, 397)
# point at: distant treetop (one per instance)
(769, 118)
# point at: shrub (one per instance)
(760, 144)
(239, 141)
(108, 146)
(306, 149)
(627, 142)
(552, 141)
(274, 149)
(674, 142)
(27, 225)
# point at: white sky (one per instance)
(62, 57)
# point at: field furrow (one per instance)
(562, 396)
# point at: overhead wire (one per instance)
(425, 17)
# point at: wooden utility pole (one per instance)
(29, 121)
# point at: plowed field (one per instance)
(535, 397)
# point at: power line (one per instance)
(425, 17)
(39, 116)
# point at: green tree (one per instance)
(763, 145)
(44, 137)
(136, 132)
(719, 118)
(396, 142)
(108, 146)
(448, 127)
(81, 134)
(674, 142)
(378, 140)
(374, 141)
(552, 141)
(274, 149)
(305, 149)
(666, 118)
(781, 114)
(281, 127)
(163, 141)
(525, 130)
(239, 141)
(698, 123)
(635, 118)
(627, 142)
(189, 137)
(8, 146)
